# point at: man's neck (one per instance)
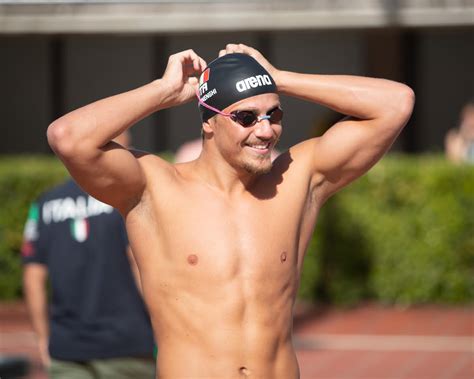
(216, 172)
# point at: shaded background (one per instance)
(63, 54)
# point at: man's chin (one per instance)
(258, 168)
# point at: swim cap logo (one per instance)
(203, 81)
(253, 82)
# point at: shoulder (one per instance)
(299, 159)
(155, 168)
(295, 169)
(159, 176)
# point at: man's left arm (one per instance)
(378, 109)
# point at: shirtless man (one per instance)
(220, 241)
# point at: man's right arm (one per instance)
(34, 289)
(83, 138)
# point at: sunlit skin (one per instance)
(234, 142)
(220, 241)
(251, 267)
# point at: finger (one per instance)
(250, 51)
(198, 62)
(202, 65)
(232, 48)
(190, 58)
(193, 81)
(222, 53)
(188, 69)
(243, 47)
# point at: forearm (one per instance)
(98, 123)
(37, 305)
(361, 97)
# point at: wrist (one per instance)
(166, 93)
(281, 79)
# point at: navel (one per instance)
(244, 371)
(193, 259)
(283, 257)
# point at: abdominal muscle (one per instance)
(231, 337)
(215, 318)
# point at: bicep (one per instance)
(111, 174)
(349, 149)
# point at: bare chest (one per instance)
(246, 239)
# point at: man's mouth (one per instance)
(261, 147)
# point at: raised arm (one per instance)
(378, 109)
(83, 138)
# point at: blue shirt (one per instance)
(96, 310)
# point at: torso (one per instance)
(220, 272)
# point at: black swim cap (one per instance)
(231, 78)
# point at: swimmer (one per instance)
(220, 240)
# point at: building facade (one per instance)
(56, 56)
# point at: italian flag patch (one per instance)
(204, 77)
(80, 229)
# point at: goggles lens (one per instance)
(249, 118)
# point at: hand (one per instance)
(180, 76)
(241, 48)
(44, 352)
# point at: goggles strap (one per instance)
(209, 107)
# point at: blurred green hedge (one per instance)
(404, 233)
(22, 179)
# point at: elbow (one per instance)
(57, 135)
(406, 102)
(400, 106)
(61, 138)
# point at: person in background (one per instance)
(459, 143)
(96, 325)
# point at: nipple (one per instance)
(244, 371)
(193, 259)
(283, 257)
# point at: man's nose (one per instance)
(263, 129)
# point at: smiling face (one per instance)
(248, 148)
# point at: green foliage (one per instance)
(404, 233)
(401, 234)
(22, 179)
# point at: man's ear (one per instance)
(208, 127)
